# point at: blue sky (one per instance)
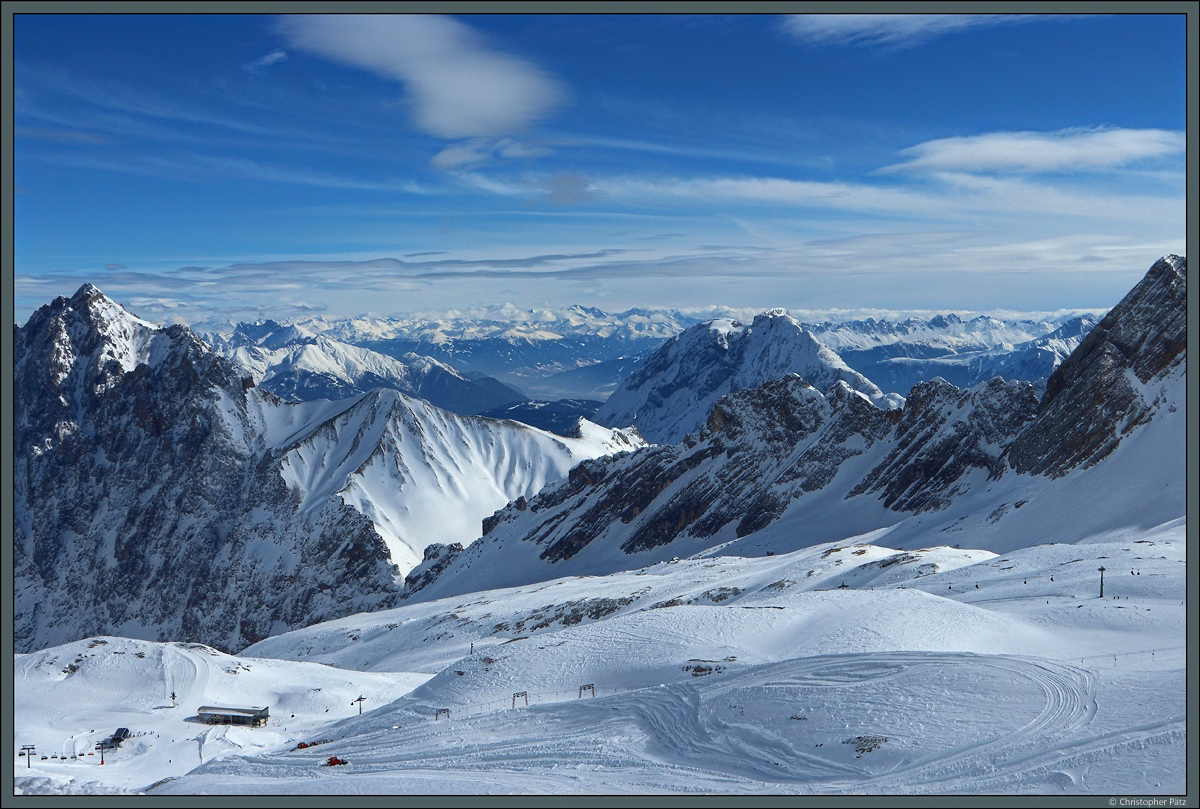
(242, 166)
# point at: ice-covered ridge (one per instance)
(424, 475)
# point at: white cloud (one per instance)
(458, 87)
(773, 190)
(514, 149)
(266, 61)
(568, 189)
(895, 30)
(1066, 150)
(477, 151)
(941, 198)
(462, 155)
(946, 198)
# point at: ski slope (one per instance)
(845, 668)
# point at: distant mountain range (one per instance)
(585, 353)
(994, 465)
(299, 365)
(525, 348)
(898, 355)
(457, 362)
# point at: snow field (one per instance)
(717, 675)
(73, 696)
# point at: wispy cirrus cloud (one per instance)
(215, 168)
(947, 197)
(274, 57)
(866, 268)
(61, 136)
(1031, 152)
(886, 30)
(458, 86)
(112, 99)
(477, 151)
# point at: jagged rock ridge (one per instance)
(1097, 395)
(159, 494)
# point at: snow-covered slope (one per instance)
(299, 365)
(76, 695)
(672, 393)
(988, 466)
(887, 602)
(159, 494)
(424, 475)
(841, 668)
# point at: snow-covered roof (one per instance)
(228, 710)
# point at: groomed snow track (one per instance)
(840, 698)
(878, 723)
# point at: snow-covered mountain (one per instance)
(827, 635)
(899, 354)
(526, 348)
(674, 390)
(584, 352)
(1123, 375)
(299, 365)
(991, 465)
(160, 494)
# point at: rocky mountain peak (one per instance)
(158, 494)
(85, 292)
(771, 314)
(1090, 400)
(673, 392)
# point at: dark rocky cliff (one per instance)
(1093, 398)
(146, 503)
